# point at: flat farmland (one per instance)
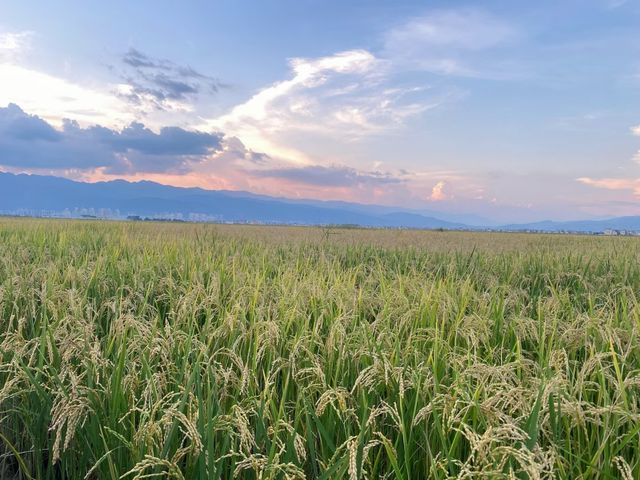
(159, 350)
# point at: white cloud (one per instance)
(12, 44)
(636, 130)
(282, 107)
(342, 97)
(307, 74)
(54, 98)
(51, 97)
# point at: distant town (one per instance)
(178, 217)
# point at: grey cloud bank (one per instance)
(27, 141)
(334, 176)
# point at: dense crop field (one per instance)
(193, 351)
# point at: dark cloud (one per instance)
(170, 140)
(28, 141)
(137, 59)
(236, 151)
(175, 89)
(14, 122)
(329, 176)
(162, 80)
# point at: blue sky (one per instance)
(514, 111)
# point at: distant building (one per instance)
(619, 233)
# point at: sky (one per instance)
(508, 110)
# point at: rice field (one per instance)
(132, 351)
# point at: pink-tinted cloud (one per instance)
(437, 192)
(629, 184)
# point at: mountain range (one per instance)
(39, 195)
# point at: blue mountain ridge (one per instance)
(42, 194)
(38, 193)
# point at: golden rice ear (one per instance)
(626, 472)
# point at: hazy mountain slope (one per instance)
(53, 194)
(616, 223)
(37, 195)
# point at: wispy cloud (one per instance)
(160, 83)
(615, 3)
(307, 74)
(448, 42)
(333, 176)
(463, 29)
(622, 184)
(629, 184)
(341, 97)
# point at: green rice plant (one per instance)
(131, 350)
